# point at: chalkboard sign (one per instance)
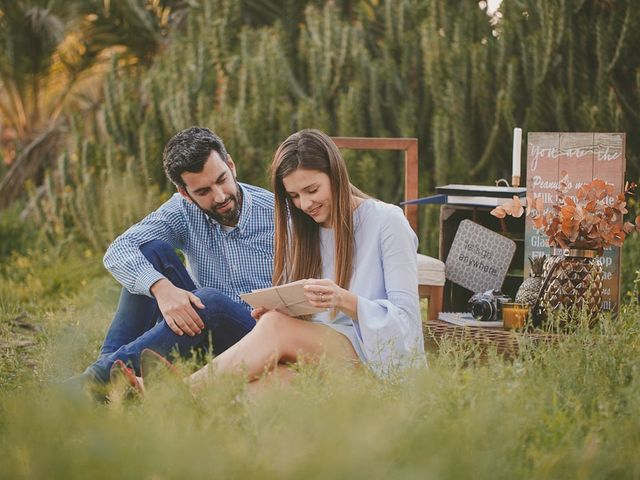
(584, 156)
(479, 258)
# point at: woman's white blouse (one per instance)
(388, 333)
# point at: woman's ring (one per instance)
(322, 297)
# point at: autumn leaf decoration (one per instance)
(592, 219)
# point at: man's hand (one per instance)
(176, 306)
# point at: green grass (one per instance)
(564, 410)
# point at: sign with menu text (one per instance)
(583, 156)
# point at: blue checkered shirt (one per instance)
(234, 262)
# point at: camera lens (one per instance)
(482, 310)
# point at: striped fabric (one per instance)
(234, 262)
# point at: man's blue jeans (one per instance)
(138, 323)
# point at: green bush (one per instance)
(630, 266)
(438, 71)
(16, 234)
(85, 202)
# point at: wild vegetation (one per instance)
(557, 410)
(437, 70)
(88, 118)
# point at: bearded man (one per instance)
(224, 230)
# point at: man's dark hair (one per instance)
(188, 151)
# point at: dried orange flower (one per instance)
(592, 219)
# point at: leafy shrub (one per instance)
(16, 234)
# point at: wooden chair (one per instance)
(430, 270)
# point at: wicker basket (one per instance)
(506, 342)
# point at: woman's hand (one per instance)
(325, 293)
(257, 313)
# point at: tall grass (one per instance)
(630, 267)
(569, 409)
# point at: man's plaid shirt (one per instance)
(234, 262)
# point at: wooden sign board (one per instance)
(584, 156)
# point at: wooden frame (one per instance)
(410, 148)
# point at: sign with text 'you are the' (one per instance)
(584, 156)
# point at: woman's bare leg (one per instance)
(282, 375)
(278, 338)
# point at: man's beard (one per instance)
(231, 217)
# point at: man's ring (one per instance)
(322, 297)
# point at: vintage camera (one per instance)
(487, 306)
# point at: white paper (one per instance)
(289, 299)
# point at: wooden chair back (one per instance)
(410, 148)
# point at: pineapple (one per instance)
(530, 288)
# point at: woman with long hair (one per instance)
(359, 258)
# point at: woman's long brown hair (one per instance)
(297, 248)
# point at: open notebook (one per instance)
(289, 299)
